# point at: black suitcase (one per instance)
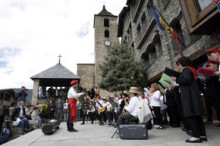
(137, 131)
(51, 127)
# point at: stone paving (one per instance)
(96, 135)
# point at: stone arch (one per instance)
(107, 33)
(158, 45)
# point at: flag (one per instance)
(217, 2)
(157, 18)
(175, 37)
(181, 53)
(160, 21)
(164, 24)
(218, 6)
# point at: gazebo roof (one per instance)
(56, 72)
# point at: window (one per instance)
(159, 49)
(153, 55)
(106, 22)
(106, 33)
(175, 24)
(199, 15)
(143, 20)
(138, 28)
(7, 97)
(145, 58)
(1, 95)
(201, 4)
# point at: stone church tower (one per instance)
(105, 30)
(105, 27)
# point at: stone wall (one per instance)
(87, 74)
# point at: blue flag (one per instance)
(157, 17)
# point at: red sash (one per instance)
(73, 110)
(96, 91)
(195, 75)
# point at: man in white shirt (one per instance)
(102, 111)
(99, 103)
(131, 108)
(72, 96)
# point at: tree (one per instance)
(119, 71)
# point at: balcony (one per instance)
(141, 39)
(136, 8)
(146, 27)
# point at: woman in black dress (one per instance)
(193, 109)
(50, 110)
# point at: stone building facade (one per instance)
(140, 32)
(87, 75)
(195, 22)
(105, 31)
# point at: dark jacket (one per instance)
(59, 106)
(170, 98)
(85, 105)
(213, 88)
(22, 95)
(16, 113)
(190, 94)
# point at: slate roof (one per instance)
(104, 12)
(56, 72)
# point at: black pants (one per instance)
(216, 105)
(173, 114)
(92, 116)
(84, 115)
(69, 125)
(122, 117)
(208, 103)
(158, 116)
(180, 113)
(102, 117)
(197, 126)
(110, 115)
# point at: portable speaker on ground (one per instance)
(137, 131)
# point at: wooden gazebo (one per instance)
(56, 76)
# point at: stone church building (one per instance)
(196, 23)
(105, 29)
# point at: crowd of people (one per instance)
(182, 102)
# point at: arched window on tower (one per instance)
(106, 22)
(106, 33)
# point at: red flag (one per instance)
(175, 37)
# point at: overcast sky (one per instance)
(34, 32)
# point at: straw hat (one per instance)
(133, 90)
(125, 92)
(104, 98)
